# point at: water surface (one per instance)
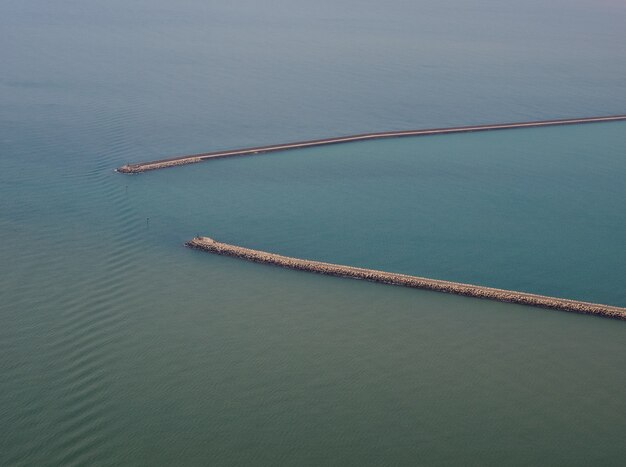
(119, 346)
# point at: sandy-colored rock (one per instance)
(212, 246)
(191, 159)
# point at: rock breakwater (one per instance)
(192, 159)
(522, 298)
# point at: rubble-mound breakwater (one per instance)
(191, 159)
(510, 296)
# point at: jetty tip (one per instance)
(127, 169)
(198, 239)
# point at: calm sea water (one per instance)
(119, 346)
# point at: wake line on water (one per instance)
(193, 158)
(404, 280)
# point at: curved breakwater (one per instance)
(510, 296)
(193, 158)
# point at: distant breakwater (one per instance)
(193, 158)
(510, 296)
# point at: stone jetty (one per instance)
(510, 296)
(192, 159)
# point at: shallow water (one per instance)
(119, 346)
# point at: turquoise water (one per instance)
(120, 346)
(539, 210)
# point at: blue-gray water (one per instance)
(119, 346)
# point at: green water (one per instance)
(118, 346)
